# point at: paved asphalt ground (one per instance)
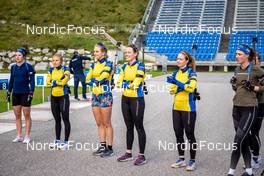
(214, 124)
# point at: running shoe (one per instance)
(107, 153)
(125, 157)
(255, 163)
(99, 151)
(78, 99)
(26, 140)
(55, 144)
(179, 163)
(140, 160)
(64, 145)
(191, 166)
(18, 139)
(246, 174)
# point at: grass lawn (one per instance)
(37, 99)
(158, 73)
(118, 17)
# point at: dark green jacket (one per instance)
(244, 97)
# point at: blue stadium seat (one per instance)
(172, 44)
(244, 37)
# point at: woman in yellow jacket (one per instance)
(99, 78)
(183, 84)
(58, 77)
(133, 104)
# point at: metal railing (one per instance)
(141, 27)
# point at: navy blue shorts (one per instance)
(102, 100)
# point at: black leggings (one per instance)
(60, 109)
(133, 113)
(183, 120)
(254, 140)
(243, 118)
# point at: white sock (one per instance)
(249, 171)
(232, 171)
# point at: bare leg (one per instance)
(26, 112)
(18, 114)
(99, 121)
(106, 114)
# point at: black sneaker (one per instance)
(99, 151)
(107, 153)
(78, 99)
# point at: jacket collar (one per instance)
(59, 67)
(102, 60)
(134, 63)
(184, 69)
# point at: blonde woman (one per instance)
(58, 77)
(99, 78)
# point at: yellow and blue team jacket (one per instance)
(101, 71)
(134, 74)
(184, 98)
(61, 75)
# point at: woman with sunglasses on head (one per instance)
(183, 84)
(22, 86)
(245, 83)
(133, 104)
(58, 77)
(255, 142)
(99, 78)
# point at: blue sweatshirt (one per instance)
(22, 79)
(76, 64)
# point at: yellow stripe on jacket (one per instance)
(134, 74)
(61, 75)
(184, 99)
(102, 71)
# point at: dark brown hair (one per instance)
(135, 49)
(257, 57)
(191, 61)
(252, 55)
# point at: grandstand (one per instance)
(242, 37)
(171, 44)
(248, 24)
(185, 16)
(176, 20)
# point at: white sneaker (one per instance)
(259, 160)
(26, 140)
(191, 166)
(18, 139)
(256, 164)
(180, 163)
(64, 146)
(55, 144)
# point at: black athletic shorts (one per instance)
(20, 100)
